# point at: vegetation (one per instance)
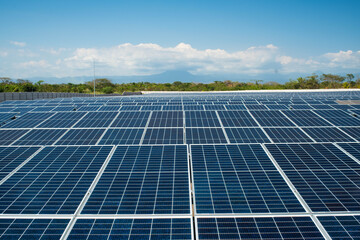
(104, 85)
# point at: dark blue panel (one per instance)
(236, 119)
(205, 135)
(32, 228)
(329, 134)
(352, 148)
(131, 119)
(40, 137)
(258, 228)
(155, 229)
(246, 135)
(68, 159)
(9, 136)
(306, 118)
(81, 137)
(310, 157)
(29, 120)
(339, 117)
(96, 119)
(164, 136)
(287, 135)
(62, 120)
(166, 119)
(342, 227)
(271, 119)
(201, 119)
(122, 136)
(44, 193)
(12, 157)
(352, 131)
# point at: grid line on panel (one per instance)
(10, 136)
(350, 149)
(261, 127)
(108, 127)
(222, 127)
(145, 128)
(87, 195)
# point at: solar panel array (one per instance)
(280, 165)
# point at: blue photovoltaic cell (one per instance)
(328, 190)
(130, 108)
(352, 148)
(12, 157)
(193, 107)
(300, 106)
(256, 107)
(40, 137)
(339, 118)
(151, 108)
(164, 136)
(62, 120)
(329, 134)
(44, 193)
(271, 119)
(88, 108)
(321, 106)
(148, 158)
(155, 229)
(257, 228)
(304, 118)
(352, 131)
(126, 136)
(246, 135)
(5, 117)
(341, 227)
(201, 119)
(96, 119)
(81, 137)
(287, 135)
(109, 108)
(42, 109)
(205, 135)
(143, 180)
(277, 107)
(64, 109)
(235, 107)
(236, 119)
(317, 156)
(9, 136)
(131, 119)
(40, 229)
(29, 120)
(68, 159)
(214, 107)
(166, 119)
(172, 108)
(224, 184)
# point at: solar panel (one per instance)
(172, 108)
(40, 137)
(131, 119)
(11, 228)
(162, 228)
(62, 120)
(257, 228)
(166, 119)
(352, 148)
(236, 119)
(221, 187)
(127, 136)
(205, 135)
(12, 157)
(96, 119)
(201, 119)
(164, 136)
(353, 132)
(271, 119)
(194, 107)
(235, 107)
(81, 137)
(29, 120)
(214, 107)
(143, 180)
(341, 227)
(246, 135)
(109, 108)
(339, 117)
(9, 136)
(256, 107)
(88, 108)
(329, 134)
(287, 135)
(4, 117)
(306, 118)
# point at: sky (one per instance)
(136, 38)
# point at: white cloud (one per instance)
(149, 58)
(3, 53)
(19, 44)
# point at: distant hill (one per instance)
(178, 75)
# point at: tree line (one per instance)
(106, 86)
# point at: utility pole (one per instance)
(94, 75)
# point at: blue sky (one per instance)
(59, 38)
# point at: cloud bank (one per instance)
(147, 58)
